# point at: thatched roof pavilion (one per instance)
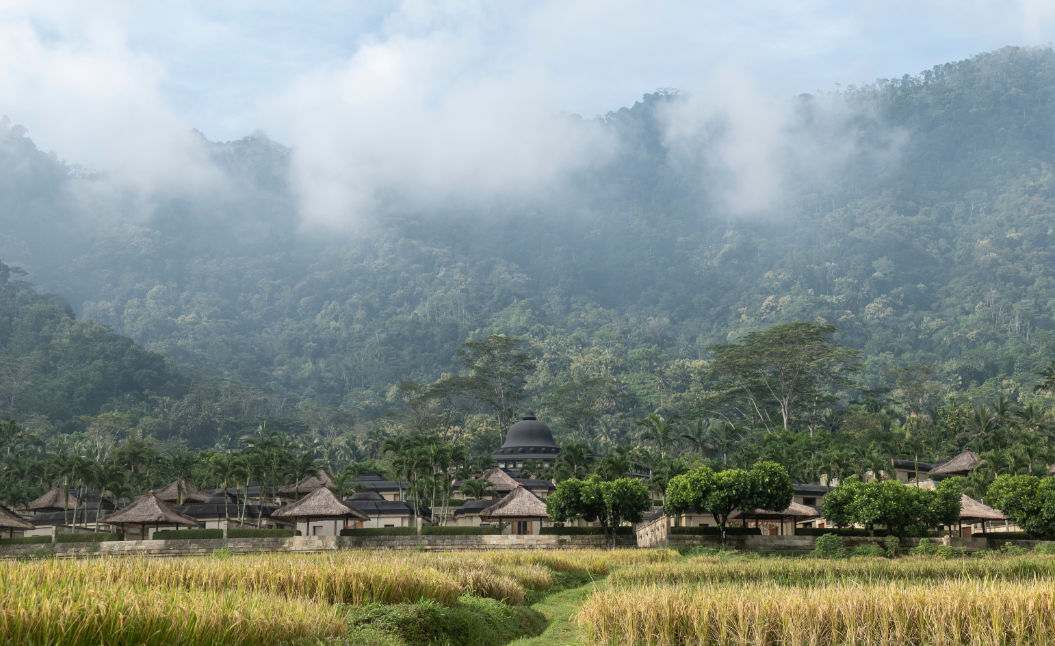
(10, 521)
(519, 507)
(974, 511)
(307, 485)
(171, 493)
(148, 511)
(518, 503)
(320, 504)
(960, 465)
(54, 500)
(500, 480)
(796, 512)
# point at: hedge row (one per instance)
(25, 540)
(848, 531)
(252, 532)
(459, 531)
(427, 531)
(244, 532)
(97, 537)
(380, 531)
(585, 531)
(186, 534)
(714, 531)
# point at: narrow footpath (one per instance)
(558, 610)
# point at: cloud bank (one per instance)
(456, 104)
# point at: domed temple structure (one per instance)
(528, 439)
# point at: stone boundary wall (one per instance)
(652, 533)
(307, 544)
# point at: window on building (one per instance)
(809, 501)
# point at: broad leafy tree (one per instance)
(784, 374)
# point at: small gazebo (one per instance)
(960, 465)
(148, 513)
(172, 493)
(320, 505)
(10, 521)
(523, 510)
(796, 513)
(974, 511)
(55, 499)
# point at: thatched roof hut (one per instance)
(795, 510)
(148, 511)
(10, 521)
(320, 504)
(55, 499)
(974, 511)
(500, 480)
(307, 485)
(171, 493)
(960, 465)
(518, 503)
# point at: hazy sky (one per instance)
(105, 83)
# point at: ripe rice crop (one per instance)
(810, 571)
(37, 607)
(334, 578)
(950, 613)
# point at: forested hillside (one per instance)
(927, 241)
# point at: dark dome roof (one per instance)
(529, 432)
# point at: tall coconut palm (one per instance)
(659, 430)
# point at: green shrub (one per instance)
(892, 546)
(585, 531)
(186, 534)
(252, 532)
(97, 537)
(869, 550)
(459, 531)
(25, 540)
(928, 548)
(380, 531)
(1044, 548)
(714, 531)
(830, 546)
(1010, 549)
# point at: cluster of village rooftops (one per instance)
(516, 506)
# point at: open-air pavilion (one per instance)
(54, 499)
(794, 514)
(322, 514)
(522, 510)
(973, 512)
(10, 521)
(147, 514)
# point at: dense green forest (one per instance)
(927, 243)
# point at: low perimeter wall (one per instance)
(193, 547)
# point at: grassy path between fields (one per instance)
(558, 609)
